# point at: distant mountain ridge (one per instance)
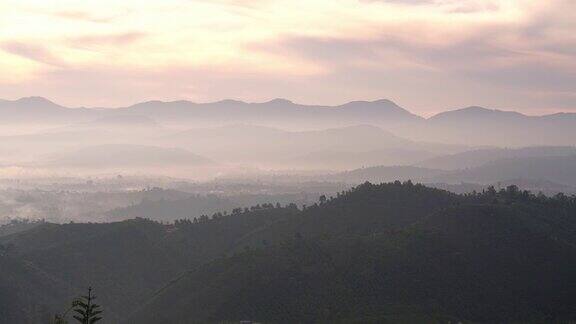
(30, 102)
(475, 112)
(479, 125)
(366, 107)
(37, 109)
(521, 167)
(470, 126)
(479, 157)
(356, 112)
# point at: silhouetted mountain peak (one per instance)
(148, 104)
(380, 103)
(381, 107)
(230, 102)
(475, 112)
(482, 110)
(35, 100)
(160, 103)
(560, 116)
(279, 102)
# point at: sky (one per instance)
(426, 55)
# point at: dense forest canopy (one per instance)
(377, 252)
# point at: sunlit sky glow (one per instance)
(427, 55)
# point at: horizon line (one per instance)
(284, 100)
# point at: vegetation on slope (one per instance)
(376, 253)
(489, 257)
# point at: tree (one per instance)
(322, 199)
(87, 311)
(512, 191)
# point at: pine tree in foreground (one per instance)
(87, 312)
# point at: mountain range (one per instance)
(334, 148)
(469, 126)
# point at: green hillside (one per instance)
(393, 252)
(492, 257)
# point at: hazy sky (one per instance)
(427, 55)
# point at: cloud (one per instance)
(240, 3)
(529, 64)
(464, 7)
(452, 6)
(405, 2)
(115, 39)
(37, 53)
(427, 54)
(83, 16)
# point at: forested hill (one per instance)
(376, 253)
(126, 262)
(390, 253)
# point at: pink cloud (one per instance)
(33, 52)
(116, 39)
